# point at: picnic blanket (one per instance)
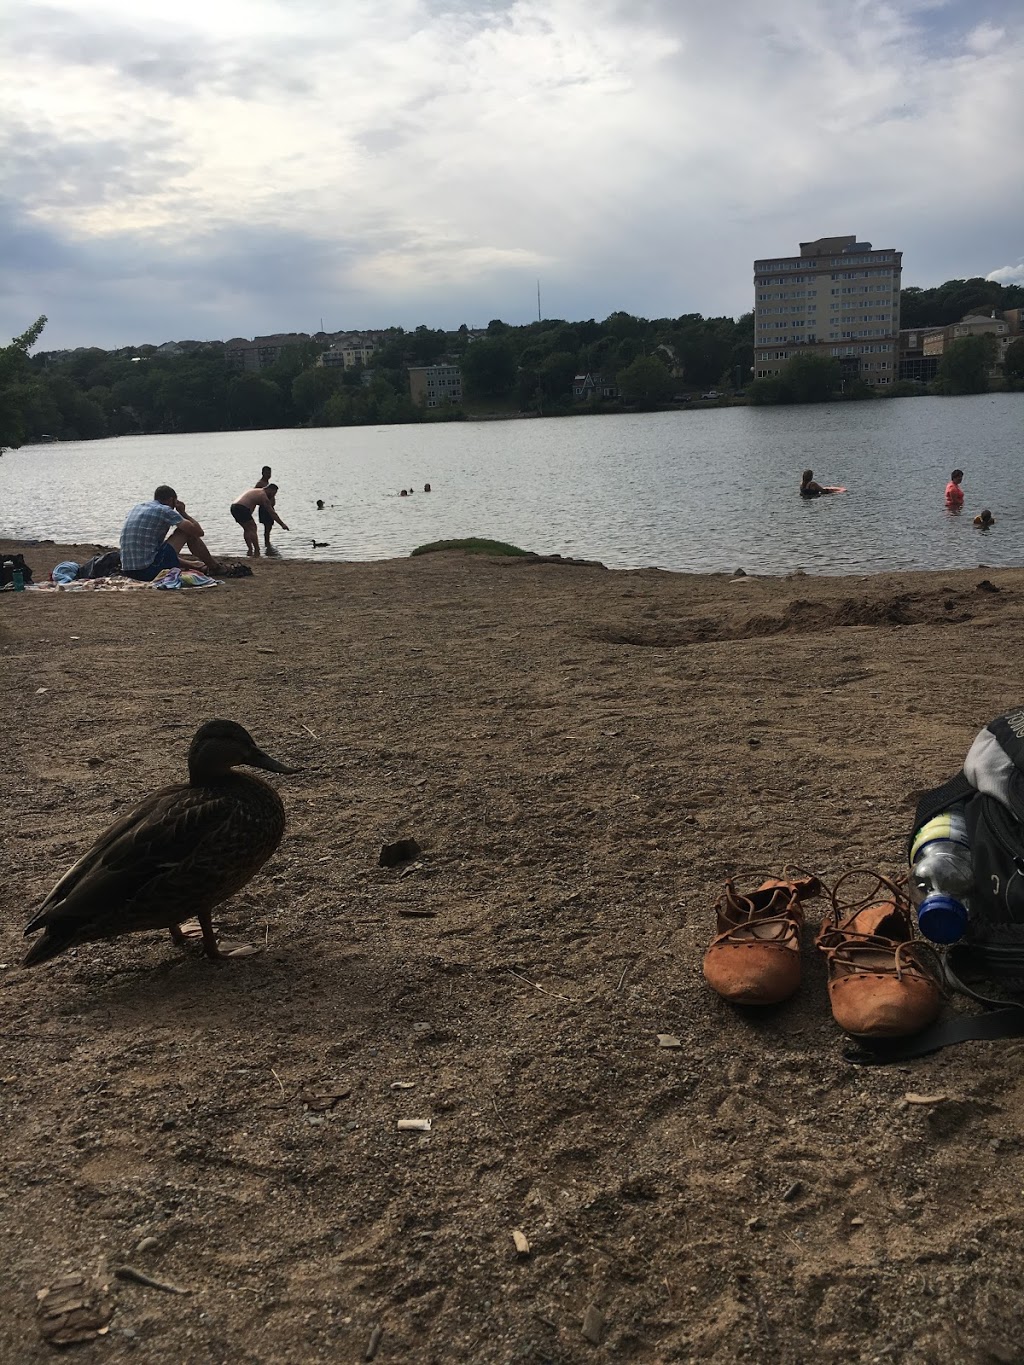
(167, 579)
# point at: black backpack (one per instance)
(7, 569)
(990, 791)
(101, 565)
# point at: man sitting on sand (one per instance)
(147, 549)
(242, 510)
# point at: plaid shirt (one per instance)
(144, 531)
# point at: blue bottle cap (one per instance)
(941, 918)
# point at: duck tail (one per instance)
(51, 944)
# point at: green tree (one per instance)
(556, 374)
(804, 379)
(15, 385)
(312, 388)
(768, 392)
(255, 402)
(621, 325)
(949, 302)
(1013, 360)
(489, 368)
(811, 378)
(965, 365)
(646, 381)
(191, 392)
(426, 347)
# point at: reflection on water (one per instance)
(705, 490)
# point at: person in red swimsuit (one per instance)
(954, 493)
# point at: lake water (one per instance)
(705, 490)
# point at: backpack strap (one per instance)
(961, 1028)
(937, 800)
(1005, 1019)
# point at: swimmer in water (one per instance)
(985, 519)
(954, 493)
(319, 504)
(810, 489)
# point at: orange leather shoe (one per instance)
(754, 958)
(880, 983)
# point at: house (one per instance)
(587, 386)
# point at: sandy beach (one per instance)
(584, 756)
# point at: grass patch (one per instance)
(473, 545)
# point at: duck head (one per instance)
(221, 745)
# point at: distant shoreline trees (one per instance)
(634, 362)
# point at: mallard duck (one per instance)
(177, 854)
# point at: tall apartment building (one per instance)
(840, 299)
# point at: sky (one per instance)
(218, 168)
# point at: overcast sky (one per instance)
(211, 168)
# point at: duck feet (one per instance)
(200, 931)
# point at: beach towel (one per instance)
(183, 578)
(186, 578)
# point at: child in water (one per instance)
(985, 519)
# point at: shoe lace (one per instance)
(859, 951)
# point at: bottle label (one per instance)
(950, 825)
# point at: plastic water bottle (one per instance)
(941, 877)
(18, 579)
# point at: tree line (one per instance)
(637, 362)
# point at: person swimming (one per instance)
(319, 504)
(810, 489)
(985, 519)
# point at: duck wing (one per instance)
(148, 870)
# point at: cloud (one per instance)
(247, 163)
(1008, 274)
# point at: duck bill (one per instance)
(261, 760)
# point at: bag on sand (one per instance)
(990, 792)
(8, 563)
(102, 565)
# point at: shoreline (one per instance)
(50, 552)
